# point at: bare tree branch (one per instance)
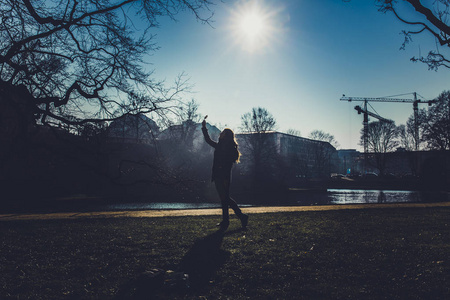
(436, 15)
(85, 54)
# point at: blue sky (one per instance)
(308, 53)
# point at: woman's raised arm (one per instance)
(206, 135)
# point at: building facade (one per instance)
(286, 157)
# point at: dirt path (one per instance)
(204, 212)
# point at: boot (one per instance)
(244, 220)
(223, 225)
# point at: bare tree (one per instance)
(183, 146)
(436, 123)
(259, 120)
(409, 140)
(430, 17)
(319, 135)
(294, 132)
(183, 131)
(79, 61)
(259, 144)
(189, 112)
(322, 151)
(382, 138)
(190, 120)
(406, 137)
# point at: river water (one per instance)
(384, 196)
(328, 197)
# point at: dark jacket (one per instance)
(225, 154)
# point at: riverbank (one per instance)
(208, 211)
(398, 252)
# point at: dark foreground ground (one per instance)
(385, 253)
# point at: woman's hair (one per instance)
(227, 135)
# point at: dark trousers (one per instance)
(223, 188)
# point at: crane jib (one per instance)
(350, 99)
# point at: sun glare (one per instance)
(253, 26)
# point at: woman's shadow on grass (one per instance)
(201, 263)
(205, 258)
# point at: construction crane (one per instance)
(366, 123)
(414, 101)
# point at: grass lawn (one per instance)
(396, 253)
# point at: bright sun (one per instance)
(253, 26)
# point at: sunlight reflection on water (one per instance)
(372, 196)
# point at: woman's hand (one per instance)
(204, 122)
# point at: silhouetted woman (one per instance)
(225, 155)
